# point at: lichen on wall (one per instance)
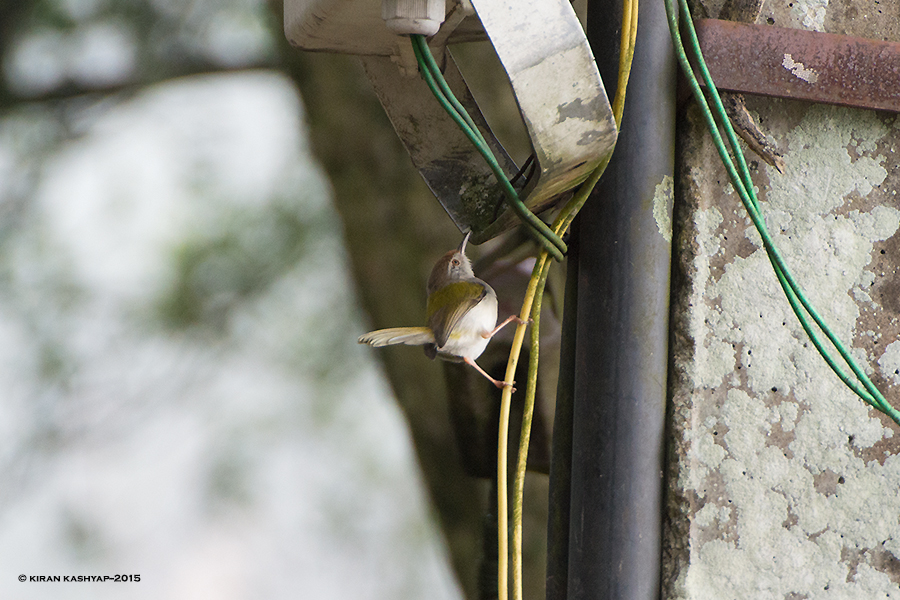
(662, 206)
(784, 484)
(810, 13)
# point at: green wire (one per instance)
(438, 86)
(744, 186)
(788, 284)
(431, 66)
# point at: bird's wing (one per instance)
(449, 304)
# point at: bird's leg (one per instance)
(499, 384)
(488, 335)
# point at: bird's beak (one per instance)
(462, 246)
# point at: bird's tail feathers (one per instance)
(411, 336)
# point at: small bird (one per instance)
(461, 312)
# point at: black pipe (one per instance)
(621, 283)
(561, 443)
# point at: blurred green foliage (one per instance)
(250, 250)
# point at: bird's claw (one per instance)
(505, 384)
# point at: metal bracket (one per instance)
(799, 64)
(542, 46)
(456, 174)
(543, 49)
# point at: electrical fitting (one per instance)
(410, 17)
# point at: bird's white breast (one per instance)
(466, 339)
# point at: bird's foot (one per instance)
(505, 384)
(499, 384)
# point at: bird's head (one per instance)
(453, 266)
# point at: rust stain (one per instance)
(804, 65)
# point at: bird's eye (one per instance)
(455, 262)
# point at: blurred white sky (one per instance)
(215, 465)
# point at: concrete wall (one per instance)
(782, 482)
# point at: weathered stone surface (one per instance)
(782, 482)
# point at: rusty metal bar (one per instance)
(804, 65)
